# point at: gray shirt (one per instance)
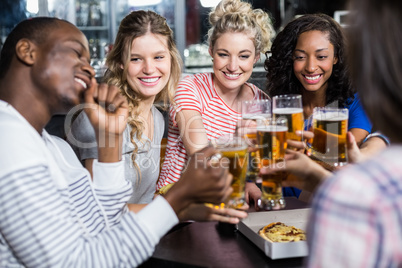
(147, 159)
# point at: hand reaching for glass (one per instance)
(306, 174)
(202, 212)
(301, 144)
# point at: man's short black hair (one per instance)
(34, 29)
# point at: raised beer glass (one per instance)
(330, 129)
(290, 107)
(233, 149)
(254, 110)
(272, 143)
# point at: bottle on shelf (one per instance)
(81, 8)
(94, 14)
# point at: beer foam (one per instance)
(272, 128)
(255, 116)
(331, 116)
(287, 110)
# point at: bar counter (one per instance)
(212, 244)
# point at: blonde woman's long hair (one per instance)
(137, 24)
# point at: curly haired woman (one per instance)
(309, 58)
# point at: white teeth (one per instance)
(81, 82)
(312, 77)
(232, 75)
(149, 80)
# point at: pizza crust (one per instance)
(280, 232)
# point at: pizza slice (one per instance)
(280, 232)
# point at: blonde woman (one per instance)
(207, 105)
(146, 66)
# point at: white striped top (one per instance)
(53, 215)
(197, 92)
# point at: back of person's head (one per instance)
(34, 29)
(279, 66)
(137, 24)
(240, 17)
(376, 61)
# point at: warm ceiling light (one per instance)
(209, 3)
(140, 3)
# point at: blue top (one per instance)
(357, 116)
(357, 119)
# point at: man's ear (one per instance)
(26, 51)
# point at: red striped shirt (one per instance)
(197, 92)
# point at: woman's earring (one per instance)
(212, 60)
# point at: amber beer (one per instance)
(255, 118)
(251, 139)
(235, 157)
(329, 143)
(295, 120)
(237, 160)
(272, 145)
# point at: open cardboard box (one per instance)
(256, 220)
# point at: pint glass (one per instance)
(234, 153)
(330, 128)
(271, 137)
(254, 110)
(290, 107)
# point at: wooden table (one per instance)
(212, 244)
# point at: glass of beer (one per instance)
(254, 110)
(290, 107)
(272, 143)
(329, 143)
(234, 151)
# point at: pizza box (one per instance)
(256, 220)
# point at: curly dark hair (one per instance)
(279, 66)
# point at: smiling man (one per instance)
(52, 214)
